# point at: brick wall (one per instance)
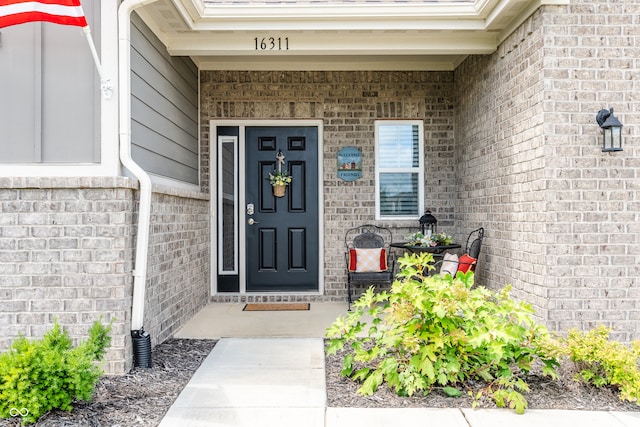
(348, 103)
(178, 263)
(65, 253)
(501, 182)
(562, 215)
(592, 61)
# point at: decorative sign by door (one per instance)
(349, 164)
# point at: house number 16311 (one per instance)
(271, 43)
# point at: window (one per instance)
(399, 169)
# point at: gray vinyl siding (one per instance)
(50, 93)
(164, 108)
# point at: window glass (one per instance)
(398, 146)
(399, 169)
(228, 205)
(398, 194)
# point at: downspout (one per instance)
(144, 209)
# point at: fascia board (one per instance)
(515, 22)
(246, 11)
(341, 43)
(339, 24)
(251, 17)
(482, 14)
(331, 63)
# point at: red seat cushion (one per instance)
(466, 263)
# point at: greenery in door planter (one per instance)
(433, 331)
(280, 178)
(39, 376)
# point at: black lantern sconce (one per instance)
(428, 222)
(611, 130)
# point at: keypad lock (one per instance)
(250, 209)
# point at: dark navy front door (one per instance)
(282, 232)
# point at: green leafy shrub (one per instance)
(38, 376)
(433, 331)
(603, 362)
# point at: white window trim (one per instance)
(419, 169)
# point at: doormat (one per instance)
(294, 306)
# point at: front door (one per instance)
(281, 232)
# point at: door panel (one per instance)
(282, 242)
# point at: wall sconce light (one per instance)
(611, 130)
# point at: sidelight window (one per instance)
(227, 205)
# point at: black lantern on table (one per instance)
(611, 130)
(428, 223)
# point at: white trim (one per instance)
(109, 151)
(242, 220)
(435, 35)
(420, 168)
(483, 15)
(55, 170)
(196, 12)
(352, 62)
(173, 183)
(394, 42)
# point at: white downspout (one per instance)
(144, 210)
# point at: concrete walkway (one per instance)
(280, 381)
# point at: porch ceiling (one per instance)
(335, 34)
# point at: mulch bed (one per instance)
(140, 398)
(143, 396)
(563, 393)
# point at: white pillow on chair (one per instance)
(449, 264)
(365, 260)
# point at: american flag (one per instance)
(64, 12)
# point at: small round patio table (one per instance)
(436, 250)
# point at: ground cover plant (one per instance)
(601, 361)
(440, 332)
(41, 375)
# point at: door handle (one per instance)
(251, 221)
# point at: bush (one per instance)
(38, 376)
(433, 331)
(602, 362)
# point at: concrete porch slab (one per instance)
(219, 320)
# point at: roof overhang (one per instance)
(335, 34)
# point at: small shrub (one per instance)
(38, 376)
(602, 362)
(433, 331)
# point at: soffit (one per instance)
(334, 34)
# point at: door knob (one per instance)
(251, 221)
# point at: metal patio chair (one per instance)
(369, 258)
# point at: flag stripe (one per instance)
(18, 13)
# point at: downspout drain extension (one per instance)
(141, 348)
